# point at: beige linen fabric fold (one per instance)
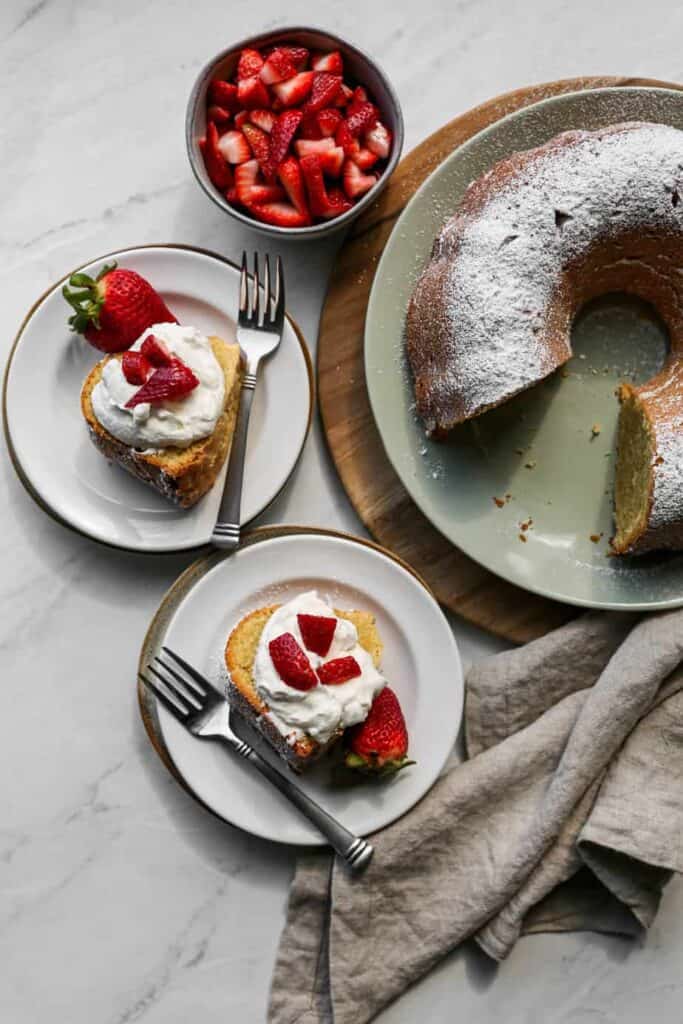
(568, 815)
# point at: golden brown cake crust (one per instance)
(183, 475)
(240, 652)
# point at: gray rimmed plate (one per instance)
(526, 490)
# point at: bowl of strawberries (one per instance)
(294, 132)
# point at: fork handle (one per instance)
(226, 532)
(351, 848)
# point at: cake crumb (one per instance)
(519, 451)
(582, 356)
(499, 502)
(595, 430)
(596, 537)
(526, 525)
(523, 537)
(530, 465)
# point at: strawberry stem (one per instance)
(87, 302)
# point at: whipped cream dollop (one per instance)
(320, 711)
(169, 423)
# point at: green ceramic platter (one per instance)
(538, 454)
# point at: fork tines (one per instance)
(183, 694)
(271, 316)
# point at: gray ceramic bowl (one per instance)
(359, 67)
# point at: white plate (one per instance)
(50, 444)
(420, 661)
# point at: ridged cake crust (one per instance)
(540, 234)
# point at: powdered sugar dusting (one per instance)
(499, 261)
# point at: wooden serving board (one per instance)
(375, 491)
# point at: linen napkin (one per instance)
(567, 815)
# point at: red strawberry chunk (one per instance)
(378, 140)
(294, 90)
(241, 118)
(263, 119)
(252, 93)
(331, 62)
(324, 91)
(358, 98)
(278, 67)
(250, 64)
(365, 159)
(292, 179)
(362, 118)
(136, 368)
(218, 114)
(355, 182)
(338, 202)
(214, 160)
(315, 185)
(317, 632)
(332, 161)
(339, 670)
(310, 129)
(282, 215)
(297, 54)
(282, 135)
(304, 147)
(291, 663)
(223, 94)
(345, 96)
(259, 143)
(167, 382)
(234, 147)
(154, 350)
(328, 121)
(345, 139)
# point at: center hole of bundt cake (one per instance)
(621, 333)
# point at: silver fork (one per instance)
(258, 332)
(198, 705)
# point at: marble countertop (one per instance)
(122, 901)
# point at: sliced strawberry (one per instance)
(223, 94)
(324, 91)
(154, 350)
(291, 663)
(338, 202)
(252, 93)
(263, 119)
(249, 190)
(250, 64)
(304, 147)
(339, 670)
(310, 129)
(278, 67)
(234, 147)
(292, 179)
(378, 140)
(297, 54)
(328, 121)
(167, 382)
(345, 95)
(242, 118)
(358, 98)
(315, 185)
(331, 62)
(281, 136)
(214, 160)
(295, 90)
(218, 114)
(355, 182)
(259, 143)
(232, 197)
(362, 118)
(332, 161)
(345, 139)
(317, 632)
(282, 215)
(136, 369)
(365, 159)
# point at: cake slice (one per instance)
(181, 474)
(296, 746)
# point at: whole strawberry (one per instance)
(114, 308)
(379, 745)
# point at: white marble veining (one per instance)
(120, 899)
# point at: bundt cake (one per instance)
(535, 238)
